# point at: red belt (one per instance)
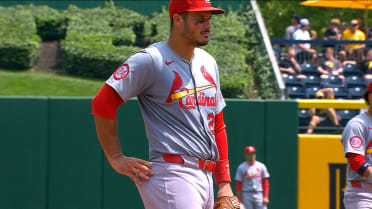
(203, 164)
(356, 184)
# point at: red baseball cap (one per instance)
(181, 6)
(369, 89)
(250, 149)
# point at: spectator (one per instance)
(332, 33)
(369, 38)
(353, 50)
(304, 52)
(366, 66)
(293, 27)
(330, 65)
(323, 117)
(290, 66)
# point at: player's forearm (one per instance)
(107, 135)
(368, 173)
(224, 189)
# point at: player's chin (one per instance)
(203, 42)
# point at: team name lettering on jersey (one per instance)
(186, 96)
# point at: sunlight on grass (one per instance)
(32, 83)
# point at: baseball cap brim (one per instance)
(214, 10)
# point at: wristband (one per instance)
(222, 172)
(363, 168)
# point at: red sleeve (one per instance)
(222, 170)
(355, 161)
(219, 123)
(106, 102)
(265, 185)
(238, 188)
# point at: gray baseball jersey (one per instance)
(178, 99)
(356, 138)
(251, 176)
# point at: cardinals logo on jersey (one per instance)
(186, 97)
(252, 173)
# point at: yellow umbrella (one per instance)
(350, 4)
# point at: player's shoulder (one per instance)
(154, 53)
(242, 165)
(358, 120)
(203, 54)
(154, 49)
(260, 164)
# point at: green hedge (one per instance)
(88, 49)
(51, 24)
(19, 43)
(264, 79)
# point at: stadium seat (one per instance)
(312, 81)
(308, 69)
(340, 93)
(367, 81)
(296, 92)
(355, 92)
(333, 81)
(355, 81)
(292, 80)
(310, 92)
(346, 115)
(303, 117)
(350, 70)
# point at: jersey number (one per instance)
(210, 118)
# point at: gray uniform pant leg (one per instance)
(356, 198)
(176, 186)
(253, 200)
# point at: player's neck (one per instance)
(181, 47)
(250, 162)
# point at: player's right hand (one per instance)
(134, 168)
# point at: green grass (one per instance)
(33, 83)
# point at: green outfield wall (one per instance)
(51, 157)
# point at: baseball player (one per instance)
(357, 142)
(252, 183)
(178, 90)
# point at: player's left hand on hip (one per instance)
(136, 169)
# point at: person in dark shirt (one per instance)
(290, 66)
(331, 66)
(322, 117)
(332, 33)
(366, 66)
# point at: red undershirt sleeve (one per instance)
(355, 161)
(238, 188)
(222, 170)
(106, 103)
(265, 185)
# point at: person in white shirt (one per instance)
(304, 52)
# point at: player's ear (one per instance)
(178, 20)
